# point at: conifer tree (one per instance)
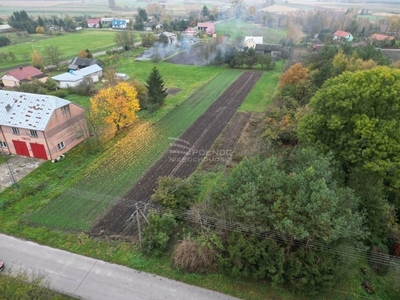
(155, 85)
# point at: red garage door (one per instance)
(38, 151)
(21, 148)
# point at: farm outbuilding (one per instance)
(73, 78)
(39, 126)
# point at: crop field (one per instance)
(235, 28)
(260, 96)
(113, 174)
(69, 43)
(183, 157)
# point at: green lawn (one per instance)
(112, 174)
(69, 43)
(260, 96)
(235, 28)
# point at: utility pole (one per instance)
(9, 167)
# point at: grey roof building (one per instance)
(79, 63)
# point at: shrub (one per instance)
(60, 93)
(378, 259)
(157, 233)
(199, 254)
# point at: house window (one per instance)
(79, 134)
(15, 130)
(33, 133)
(61, 146)
(3, 144)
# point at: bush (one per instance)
(60, 93)
(379, 260)
(85, 88)
(157, 233)
(197, 255)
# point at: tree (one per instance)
(356, 116)
(85, 53)
(125, 39)
(155, 86)
(293, 75)
(4, 41)
(250, 58)
(148, 39)
(69, 23)
(53, 55)
(205, 12)
(265, 61)
(37, 60)
(116, 105)
(142, 14)
(40, 22)
(296, 202)
(39, 29)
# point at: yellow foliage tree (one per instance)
(116, 105)
(39, 29)
(293, 75)
(37, 60)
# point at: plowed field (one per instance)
(183, 157)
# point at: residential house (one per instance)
(74, 78)
(80, 63)
(381, 37)
(274, 50)
(5, 28)
(149, 26)
(190, 32)
(119, 23)
(342, 35)
(93, 23)
(14, 78)
(40, 126)
(207, 27)
(252, 41)
(106, 21)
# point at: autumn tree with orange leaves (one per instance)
(116, 105)
(293, 75)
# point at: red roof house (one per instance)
(93, 23)
(342, 35)
(381, 37)
(190, 31)
(15, 77)
(208, 27)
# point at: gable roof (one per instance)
(255, 39)
(267, 48)
(24, 73)
(341, 33)
(79, 62)
(28, 111)
(381, 37)
(190, 30)
(88, 70)
(77, 75)
(93, 21)
(209, 25)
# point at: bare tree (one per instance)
(125, 39)
(53, 56)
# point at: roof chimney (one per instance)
(8, 107)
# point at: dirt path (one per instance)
(182, 158)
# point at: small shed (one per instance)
(121, 76)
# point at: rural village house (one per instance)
(80, 63)
(381, 37)
(39, 126)
(252, 41)
(5, 28)
(274, 50)
(15, 77)
(119, 23)
(190, 32)
(342, 35)
(208, 27)
(73, 78)
(172, 37)
(93, 23)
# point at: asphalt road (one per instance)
(88, 278)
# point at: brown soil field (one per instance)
(222, 150)
(181, 160)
